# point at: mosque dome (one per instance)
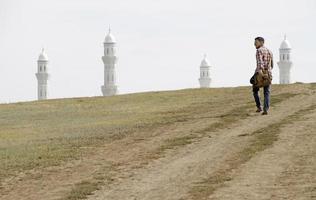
(285, 44)
(109, 38)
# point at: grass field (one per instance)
(41, 134)
(44, 133)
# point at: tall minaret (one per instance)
(204, 79)
(42, 75)
(285, 63)
(109, 59)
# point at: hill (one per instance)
(183, 144)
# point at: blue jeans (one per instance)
(266, 92)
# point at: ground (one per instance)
(186, 144)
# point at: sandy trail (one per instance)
(285, 171)
(172, 176)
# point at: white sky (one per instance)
(160, 43)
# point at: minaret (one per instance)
(204, 79)
(42, 75)
(109, 59)
(285, 63)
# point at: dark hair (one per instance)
(261, 39)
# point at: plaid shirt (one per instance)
(263, 56)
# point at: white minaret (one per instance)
(42, 75)
(285, 63)
(109, 59)
(205, 79)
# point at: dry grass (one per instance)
(223, 121)
(86, 187)
(46, 133)
(176, 142)
(313, 86)
(261, 140)
(81, 190)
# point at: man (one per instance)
(264, 61)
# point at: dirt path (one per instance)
(285, 171)
(173, 176)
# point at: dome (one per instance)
(285, 44)
(109, 38)
(205, 62)
(43, 55)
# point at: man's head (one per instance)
(259, 41)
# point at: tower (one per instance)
(109, 59)
(285, 63)
(204, 79)
(42, 75)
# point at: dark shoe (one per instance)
(258, 110)
(264, 113)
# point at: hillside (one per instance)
(183, 144)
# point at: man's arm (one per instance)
(271, 54)
(259, 57)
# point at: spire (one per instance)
(43, 55)
(109, 59)
(109, 38)
(205, 61)
(204, 79)
(285, 43)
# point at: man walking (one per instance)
(264, 59)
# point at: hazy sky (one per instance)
(160, 43)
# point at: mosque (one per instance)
(42, 75)
(110, 59)
(205, 79)
(285, 63)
